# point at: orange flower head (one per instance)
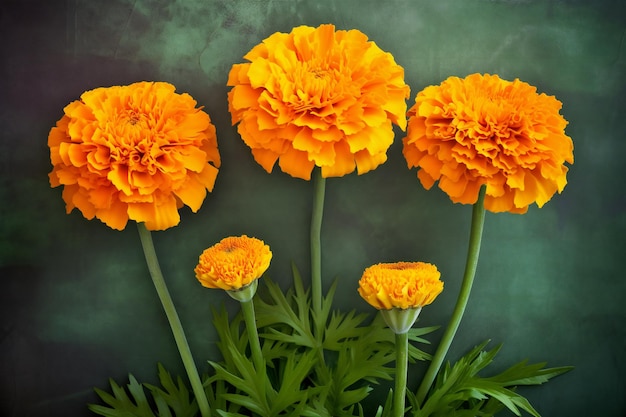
(482, 130)
(400, 285)
(233, 263)
(137, 152)
(318, 97)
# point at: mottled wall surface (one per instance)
(77, 304)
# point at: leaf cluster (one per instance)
(172, 399)
(460, 392)
(320, 364)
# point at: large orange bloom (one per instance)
(401, 285)
(135, 152)
(318, 97)
(484, 130)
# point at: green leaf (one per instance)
(295, 371)
(215, 390)
(109, 412)
(172, 396)
(162, 408)
(290, 309)
(170, 399)
(386, 410)
(230, 414)
(121, 405)
(523, 374)
(459, 390)
(342, 326)
(247, 402)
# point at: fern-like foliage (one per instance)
(350, 351)
(460, 392)
(281, 392)
(169, 400)
(321, 365)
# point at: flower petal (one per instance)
(156, 216)
(126, 152)
(484, 130)
(324, 86)
(296, 163)
(233, 263)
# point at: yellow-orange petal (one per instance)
(134, 152)
(342, 161)
(484, 130)
(159, 215)
(366, 162)
(400, 285)
(296, 163)
(233, 263)
(115, 216)
(332, 86)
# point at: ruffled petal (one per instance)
(128, 152)
(484, 130)
(326, 87)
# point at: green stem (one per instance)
(402, 353)
(253, 336)
(319, 186)
(172, 316)
(476, 231)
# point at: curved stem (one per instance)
(319, 186)
(402, 353)
(174, 320)
(476, 231)
(253, 336)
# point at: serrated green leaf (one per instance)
(109, 412)
(229, 414)
(342, 326)
(386, 410)
(523, 374)
(215, 390)
(119, 393)
(175, 396)
(136, 390)
(279, 310)
(162, 407)
(460, 391)
(238, 370)
(246, 402)
(321, 318)
(105, 396)
(121, 405)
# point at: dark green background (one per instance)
(77, 302)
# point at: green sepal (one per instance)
(245, 293)
(400, 320)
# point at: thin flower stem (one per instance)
(402, 354)
(476, 232)
(174, 320)
(319, 186)
(253, 336)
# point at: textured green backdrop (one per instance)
(77, 304)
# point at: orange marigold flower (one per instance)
(318, 97)
(233, 263)
(137, 152)
(483, 130)
(400, 285)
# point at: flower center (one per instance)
(316, 86)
